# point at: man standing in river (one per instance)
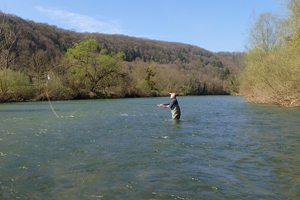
(174, 106)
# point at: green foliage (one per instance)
(233, 85)
(195, 87)
(132, 55)
(273, 65)
(180, 56)
(217, 63)
(83, 51)
(292, 23)
(149, 78)
(201, 59)
(57, 90)
(92, 69)
(103, 65)
(15, 86)
(264, 34)
(222, 73)
(29, 36)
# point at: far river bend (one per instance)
(222, 148)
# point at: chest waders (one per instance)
(176, 112)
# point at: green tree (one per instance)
(201, 59)
(92, 67)
(233, 85)
(15, 86)
(149, 78)
(292, 23)
(195, 87)
(217, 63)
(263, 39)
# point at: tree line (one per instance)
(39, 61)
(272, 73)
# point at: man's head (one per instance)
(173, 95)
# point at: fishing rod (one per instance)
(47, 94)
(48, 98)
(144, 104)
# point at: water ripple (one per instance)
(222, 148)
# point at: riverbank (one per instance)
(93, 96)
(293, 101)
(288, 101)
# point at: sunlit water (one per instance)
(222, 148)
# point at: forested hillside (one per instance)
(39, 60)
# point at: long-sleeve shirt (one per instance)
(172, 104)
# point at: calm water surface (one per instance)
(223, 148)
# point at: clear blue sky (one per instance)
(215, 25)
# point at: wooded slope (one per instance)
(39, 47)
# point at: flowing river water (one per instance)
(222, 148)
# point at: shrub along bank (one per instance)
(272, 74)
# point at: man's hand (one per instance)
(165, 106)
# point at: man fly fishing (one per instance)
(174, 106)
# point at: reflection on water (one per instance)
(222, 148)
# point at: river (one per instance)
(222, 148)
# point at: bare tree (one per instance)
(9, 36)
(263, 33)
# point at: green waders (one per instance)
(176, 112)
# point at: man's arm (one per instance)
(163, 105)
